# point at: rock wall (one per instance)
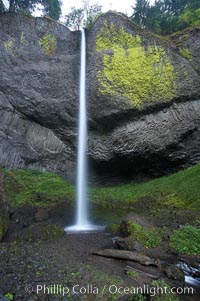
(39, 61)
(143, 100)
(143, 97)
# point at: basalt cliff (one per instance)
(143, 98)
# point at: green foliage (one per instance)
(36, 188)
(52, 8)
(113, 228)
(162, 291)
(136, 73)
(84, 16)
(166, 16)
(186, 240)
(2, 7)
(131, 274)
(75, 18)
(190, 17)
(92, 13)
(148, 237)
(10, 296)
(49, 44)
(180, 190)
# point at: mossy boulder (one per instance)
(37, 232)
(4, 211)
(113, 228)
(143, 232)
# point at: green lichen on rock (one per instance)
(131, 71)
(9, 44)
(49, 44)
(186, 54)
(22, 38)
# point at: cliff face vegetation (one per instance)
(143, 97)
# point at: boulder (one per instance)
(128, 243)
(174, 273)
(4, 211)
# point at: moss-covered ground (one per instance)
(36, 188)
(180, 190)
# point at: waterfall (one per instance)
(82, 220)
(82, 183)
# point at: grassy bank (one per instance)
(36, 188)
(180, 190)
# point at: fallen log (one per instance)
(127, 255)
(128, 268)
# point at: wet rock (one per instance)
(4, 210)
(130, 220)
(175, 273)
(41, 215)
(128, 243)
(36, 232)
(3, 298)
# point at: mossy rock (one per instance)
(4, 211)
(113, 228)
(38, 189)
(147, 235)
(139, 73)
(38, 232)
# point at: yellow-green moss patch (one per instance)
(135, 72)
(49, 44)
(186, 54)
(148, 237)
(9, 44)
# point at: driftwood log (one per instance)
(127, 255)
(128, 268)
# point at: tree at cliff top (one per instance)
(75, 18)
(2, 7)
(51, 8)
(166, 16)
(84, 16)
